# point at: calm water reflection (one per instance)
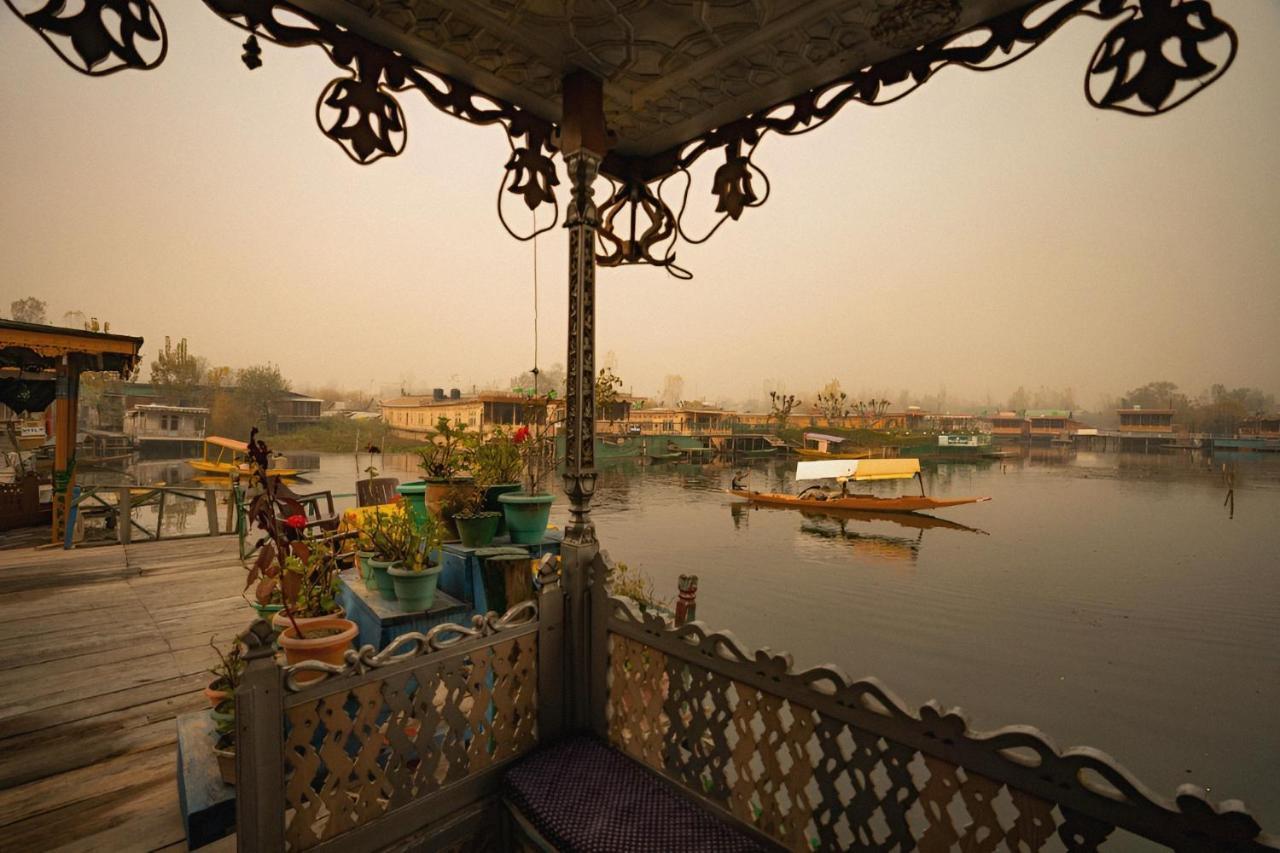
(1105, 598)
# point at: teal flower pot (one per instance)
(366, 571)
(382, 578)
(477, 531)
(415, 498)
(267, 611)
(415, 590)
(492, 504)
(527, 516)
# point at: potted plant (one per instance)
(477, 525)
(417, 576)
(443, 461)
(389, 538)
(364, 547)
(226, 675)
(528, 510)
(221, 695)
(496, 465)
(303, 570)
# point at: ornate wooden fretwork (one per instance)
(1129, 72)
(815, 759)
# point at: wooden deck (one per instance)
(100, 649)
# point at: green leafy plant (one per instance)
(637, 585)
(311, 583)
(496, 460)
(463, 501)
(230, 668)
(446, 456)
(537, 446)
(395, 538)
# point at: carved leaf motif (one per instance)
(732, 184)
(1134, 51)
(97, 50)
(369, 123)
(533, 176)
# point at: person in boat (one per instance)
(737, 485)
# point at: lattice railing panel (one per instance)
(807, 780)
(355, 754)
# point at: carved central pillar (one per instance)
(582, 143)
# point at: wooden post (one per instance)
(260, 744)
(551, 651)
(66, 399)
(687, 600)
(211, 508)
(124, 515)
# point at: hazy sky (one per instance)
(988, 231)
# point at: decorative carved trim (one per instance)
(360, 111)
(1093, 790)
(89, 45)
(409, 646)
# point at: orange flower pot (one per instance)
(339, 634)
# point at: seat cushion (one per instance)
(583, 796)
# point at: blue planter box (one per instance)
(381, 621)
(208, 804)
(461, 576)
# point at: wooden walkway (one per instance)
(100, 649)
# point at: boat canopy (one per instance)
(229, 443)
(858, 469)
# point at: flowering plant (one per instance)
(536, 445)
(496, 460)
(446, 456)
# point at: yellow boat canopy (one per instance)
(858, 469)
(229, 443)
(886, 469)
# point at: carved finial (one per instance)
(687, 600)
(252, 56)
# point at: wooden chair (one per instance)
(376, 491)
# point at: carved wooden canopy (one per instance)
(681, 78)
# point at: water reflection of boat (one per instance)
(891, 548)
(860, 470)
(910, 520)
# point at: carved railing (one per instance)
(817, 761)
(392, 743)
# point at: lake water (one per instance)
(1105, 598)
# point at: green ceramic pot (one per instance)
(415, 590)
(477, 531)
(366, 571)
(382, 578)
(266, 611)
(415, 498)
(491, 503)
(527, 516)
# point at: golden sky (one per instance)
(989, 231)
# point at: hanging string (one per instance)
(535, 302)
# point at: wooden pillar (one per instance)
(582, 144)
(260, 744)
(687, 600)
(66, 401)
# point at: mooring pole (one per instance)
(583, 142)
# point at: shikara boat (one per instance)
(231, 459)
(858, 470)
(808, 453)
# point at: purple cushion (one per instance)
(583, 796)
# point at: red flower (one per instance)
(297, 522)
(521, 436)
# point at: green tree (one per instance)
(258, 387)
(29, 310)
(178, 373)
(608, 387)
(781, 406)
(1157, 395)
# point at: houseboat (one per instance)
(1257, 433)
(1009, 426)
(1052, 426)
(1143, 429)
(170, 432)
(819, 445)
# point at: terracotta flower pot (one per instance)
(338, 634)
(281, 621)
(226, 764)
(215, 697)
